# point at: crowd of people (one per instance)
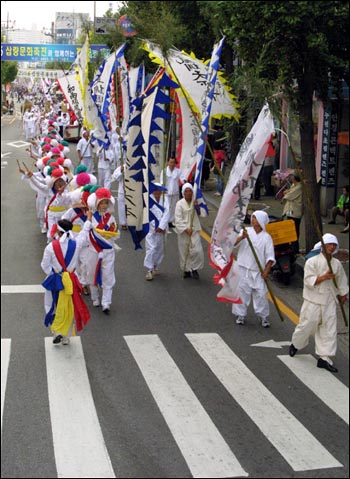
(76, 212)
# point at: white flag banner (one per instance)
(189, 136)
(93, 118)
(136, 81)
(100, 85)
(81, 69)
(70, 88)
(125, 93)
(191, 73)
(235, 200)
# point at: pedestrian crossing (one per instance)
(78, 443)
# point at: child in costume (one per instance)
(63, 300)
(101, 253)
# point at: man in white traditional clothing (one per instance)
(118, 176)
(318, 315)
(117, 142)
(158, 227)
(63, 121)
(188, 227)
(105, 164)
(252, 281)
(171, 180)
(84, 149)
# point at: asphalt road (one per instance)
(167, 385)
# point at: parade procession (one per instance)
(175, 263)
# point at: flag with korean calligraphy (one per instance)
(72, 93)
(91, 117)
(234, 203)
(191, 73)
(189, 134)
(81, 70)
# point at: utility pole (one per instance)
(7, 26)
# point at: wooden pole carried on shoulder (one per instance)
(265, 279)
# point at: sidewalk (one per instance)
(274, 207)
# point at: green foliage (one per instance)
(297, 37)
(9, 72)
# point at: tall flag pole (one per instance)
(207, 101)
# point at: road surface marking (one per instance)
(22, 288)
(80, 450)
(204, 449)
(271, 343)
(326, 386)
(18, 144)
(5, 360)
(293, 441)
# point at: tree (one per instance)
(9, 72)
(301, 46)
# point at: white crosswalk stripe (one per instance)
(80, 450)
(328, 388)
(5, 359)
(298, 447)
(203, 447)
(78, 443)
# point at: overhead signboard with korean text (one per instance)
(21, 52)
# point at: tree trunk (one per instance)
(311, 194)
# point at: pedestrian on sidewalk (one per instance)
(318, 315)
(293, 206)
(269, 165)
(252, 281)
(342, 207)
(218, 166)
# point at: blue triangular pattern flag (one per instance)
(139, 151)
(138, 165)
(151, 159)
(162, 98)
(160, 113)
(138, 176)
(138, 235)
(165, 81)
(135, 121)
(153, 140)
(139, 140)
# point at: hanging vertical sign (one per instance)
(329, 147)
